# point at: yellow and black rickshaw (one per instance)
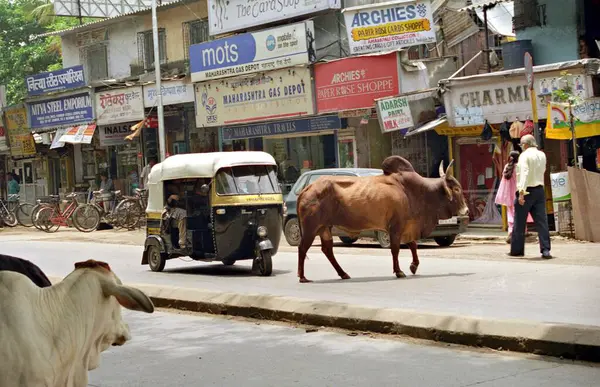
(221, 206)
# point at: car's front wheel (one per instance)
(445, 241)
(292, 232)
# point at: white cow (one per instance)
(52, 336)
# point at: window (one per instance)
(300, 186)
(146, 48)
(194, 32)
(250, 180)
(95, 60)
(313, 178)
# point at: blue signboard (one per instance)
(329, 122)
(72, 109)
(252, 52)
(59, 80)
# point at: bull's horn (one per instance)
(449, 166)
(442, 169)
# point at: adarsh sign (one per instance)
(235, 15)
(394, 114)
(389, 26)
(252, 52)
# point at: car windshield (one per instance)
(247, 179)
(370, 173)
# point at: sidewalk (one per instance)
(468, 294)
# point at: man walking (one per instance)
(530, 198)
(146, 171)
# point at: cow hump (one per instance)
(395, 164)
(92, 264)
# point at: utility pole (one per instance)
(572, 124)
(161, 118)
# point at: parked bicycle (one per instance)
(84, 217)
(22, 211)
(8, 216)
(107, 203)
(131, 210)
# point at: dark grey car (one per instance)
(444, 234)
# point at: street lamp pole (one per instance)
(161, 118)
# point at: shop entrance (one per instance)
(347, 152)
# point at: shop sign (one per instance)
(586, 120)
(330, 122)
(173, 92)
(354, 113)
(278, 94)
(3, 143)
(120, 105)
(81, 134)
(110, 135)
(389, 26)
(19, 136)
(356, 82)
(56, 143)
(59, 80)
(236, 15)
(61, 111)
(252, 52)
(394, 114)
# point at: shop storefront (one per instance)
(182, 135)
(499, 99)
(297, 145)
(59, 102)
(349, 87)
(117, 111)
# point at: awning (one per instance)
(428, 126)
(81, 134)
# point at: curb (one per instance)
(580, 342)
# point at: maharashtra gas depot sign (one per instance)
(389, 26)
(252, 52)
(235, 15)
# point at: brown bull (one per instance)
(400, 202)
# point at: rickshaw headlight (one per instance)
(261, 231)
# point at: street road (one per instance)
(534, 290)
(190, 350)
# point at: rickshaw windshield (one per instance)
(247, 180)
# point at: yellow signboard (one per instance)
(586, 120)
(19, 136)
(391, 29)
(445, 130)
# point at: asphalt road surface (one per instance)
(535, 290)
(194, 350)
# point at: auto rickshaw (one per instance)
(229, 204)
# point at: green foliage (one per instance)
(564, 94)
(22, 54)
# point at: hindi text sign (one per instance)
(119, 105)
(59, 80)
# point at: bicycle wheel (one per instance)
(129, 213)
(9, 218)
(24, 214)
(86, 218)
(47, 219)
(34, 215)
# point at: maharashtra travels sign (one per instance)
(252, 52)
(235, 15)
(389, 26)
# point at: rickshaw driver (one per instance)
(177, 213)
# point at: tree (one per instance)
(21, 53)
(565, 97)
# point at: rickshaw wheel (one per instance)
(156, 260)
(264, 264)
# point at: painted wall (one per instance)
(558, 40)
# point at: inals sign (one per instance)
(114, 134)
(389, 26)
(72, 109)
(276, 95)
(235, 15)
(355, 83)
(253, 52)
(121, 105)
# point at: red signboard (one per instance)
(355, 82)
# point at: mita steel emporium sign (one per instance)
(389, 26)
(235, 15)
(72, 109)
(252, 52)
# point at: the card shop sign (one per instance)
(330, 122)
(235, 15)
(61, 111)
(252, 52)
(59, 80)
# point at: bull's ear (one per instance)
(447, 173)
(130, 298)
(395, 164)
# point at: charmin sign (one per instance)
(235, 15)
(389, 26)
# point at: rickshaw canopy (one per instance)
(204, 165)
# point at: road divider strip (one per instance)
(572, 341)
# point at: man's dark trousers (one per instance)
(535, 203)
